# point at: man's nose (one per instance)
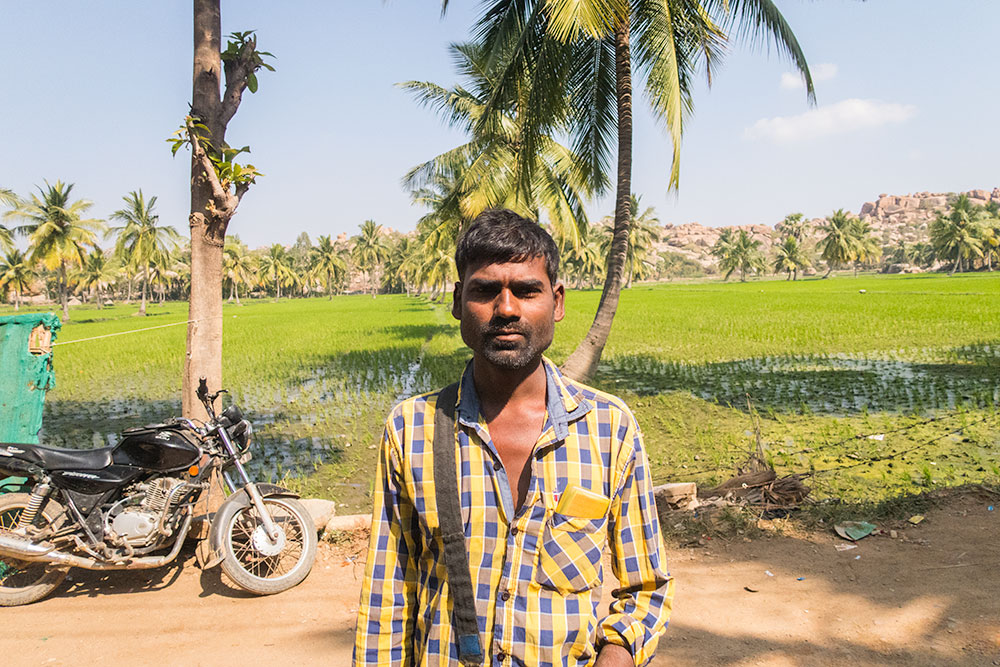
(507, 305)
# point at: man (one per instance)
(550, 472)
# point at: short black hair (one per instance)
(498, 236)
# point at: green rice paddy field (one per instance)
(843, 375)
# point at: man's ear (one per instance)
(559, 292)
(456, 301)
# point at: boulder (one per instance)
(348, 522)
(320, 510)
(677, 495)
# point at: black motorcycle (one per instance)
(122, 507)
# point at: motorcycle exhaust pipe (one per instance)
(22, 549)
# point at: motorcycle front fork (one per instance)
(258, 500)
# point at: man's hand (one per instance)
(611, 655)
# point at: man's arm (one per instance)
(640, 611)
(384, 633)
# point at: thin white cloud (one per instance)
(821, 72)
(840, 118)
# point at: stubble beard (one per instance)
(515, 354)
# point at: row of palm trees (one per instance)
(63, 244)
(964, 238)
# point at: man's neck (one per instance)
(499, 387)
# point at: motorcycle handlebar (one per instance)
(206, 398)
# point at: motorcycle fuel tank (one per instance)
(160, 448)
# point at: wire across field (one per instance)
(823, 362)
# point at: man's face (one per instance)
(508, 311)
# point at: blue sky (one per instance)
(907, 101)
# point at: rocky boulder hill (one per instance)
(893, 217)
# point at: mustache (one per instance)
(496, 328)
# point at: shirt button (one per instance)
(501, 656)
(513, 530)
(497, 465)
(505, 596)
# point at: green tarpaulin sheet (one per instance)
(25, 376)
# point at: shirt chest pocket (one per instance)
(569, 555)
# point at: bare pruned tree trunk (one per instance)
(582, 363)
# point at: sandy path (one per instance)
(931, 597)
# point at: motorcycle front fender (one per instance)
(239, 500)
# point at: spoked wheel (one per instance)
(24, 582)
(262, 565)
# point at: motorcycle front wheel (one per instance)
(24, 582)
(260, 565)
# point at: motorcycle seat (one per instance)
(51, 458)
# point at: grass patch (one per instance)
(825, 361)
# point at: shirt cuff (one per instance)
(622, 630)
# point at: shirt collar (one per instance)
(564, 400)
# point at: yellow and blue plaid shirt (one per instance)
(536, 573)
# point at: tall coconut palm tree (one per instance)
(408, 263)
(485, 172)
(839, 246)
(328, 263)
(141, 237)
(237, 267)
(955, 237)
(793, 225)
(643, 232)
(742, 252)
(790, 256)
(867, 248)
(578, 58)
(7, 198)
(276, 268)
(370, 251)
(16, 274)
(57, 234)
(582, 262)
(162, 271)
(95, 274)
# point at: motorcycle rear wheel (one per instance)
(255, 563)
(24, 582)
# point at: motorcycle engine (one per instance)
(135, 519)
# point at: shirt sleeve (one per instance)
(384, 633)
(638, 616)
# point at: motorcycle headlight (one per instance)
(232, 414)
(241, 434)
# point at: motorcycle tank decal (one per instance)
(95, 481)
(161, 450)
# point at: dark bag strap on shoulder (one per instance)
(449, 509)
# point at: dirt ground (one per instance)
(930, 596)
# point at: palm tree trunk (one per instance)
(17, 300)
(63, 289)
(329, 286)
(145, 290)
(582, 363)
